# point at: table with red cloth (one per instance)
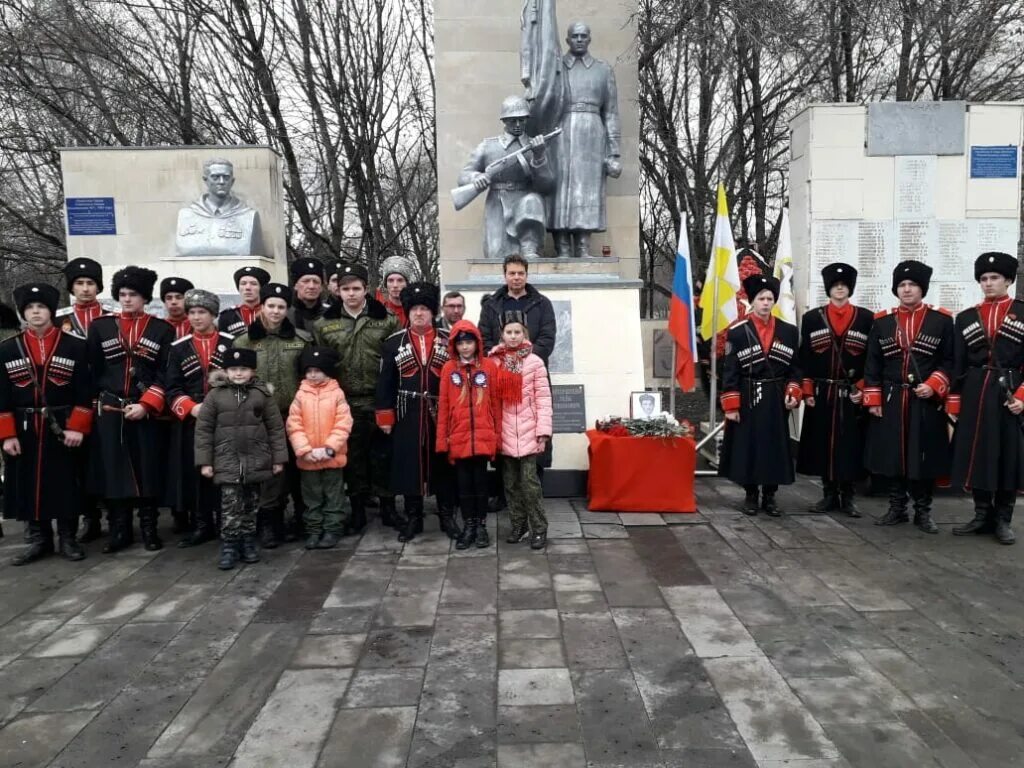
(641, 474)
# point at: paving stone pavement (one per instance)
(704, 641)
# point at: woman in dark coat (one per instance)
(761, 384)
(832, 346)
(988, 397)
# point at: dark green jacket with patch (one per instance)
(277, 357)
(357, 340)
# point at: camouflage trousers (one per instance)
(523, 491)
(323, 490)
(238, 505)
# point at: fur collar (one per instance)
(374, 310)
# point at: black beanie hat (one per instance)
(239, 357)
(916, 271)
(324, 358)
(754, 284)
(261, 275)
(996, 261)
(276, 291)
(83, 267)
(138, 279)
(44, 293)
(839, 273)
(175, 285)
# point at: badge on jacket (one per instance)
(480, 379)
(456, 378)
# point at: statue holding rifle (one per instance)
(515, 171)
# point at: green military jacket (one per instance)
(277, 357)
(357, 340)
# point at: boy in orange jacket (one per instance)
(319, 423)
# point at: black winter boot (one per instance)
(923, 510)
(518, 532)
(357, 520)
(483, 539)
(446, 519)
(468, 536)
(69, 548)
(751, 502)
(147, 524)
(829, 501)
(228, 555)
(39, 543)
(202, 533)
(93, 528)
(267, 520)
(1004, 514)
(328, 541)
(413, 524)
(119, 528)
(897, 505)
(984, 520)
(250, 552)
(846, 503)
(389, 516)
(768, 505)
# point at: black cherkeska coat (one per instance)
(407, 392)
(832, 433)
(988, 446)
(128, 458)
(911, 438)
(756, 450)
(43, 483)
(187, 382)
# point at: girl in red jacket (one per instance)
(469, 425)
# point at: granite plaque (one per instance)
(916, 128)
(569, 407)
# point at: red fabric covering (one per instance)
(86, 313)
(40, 348)
(993, 312)
(248, 313)
(641, 474)
(840, 317)
(8, 427)
(765, 331)
(386, 417)
(80, 420)
(182, 327)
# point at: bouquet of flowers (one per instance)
(662, 425)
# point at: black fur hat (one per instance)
(754, 284)
(299, 268)
(138, 279)
(276, 291)
(261, 275)
(996, 261)
(175, 285)
(839, 272)
(44, 293)
(239, 357)
(324, 358)
(421, 294)
(83, 267)
(915, 271)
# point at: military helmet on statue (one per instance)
(514, 106)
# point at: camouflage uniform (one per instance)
(238, 510)
(525, 497)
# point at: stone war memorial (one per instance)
(196, 212)
(538, 154)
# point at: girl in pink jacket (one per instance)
(525, 428)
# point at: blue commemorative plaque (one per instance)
(994, 162)
(91, 216)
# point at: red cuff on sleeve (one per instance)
(8, 427)
(153, 399)
(80, 420)
(1019, 394)
(953, 405)
(793, 390)
(940, 383)
(182, 406)
(808, 388)
(872, 396)
(386, 417)
(861, 385)
(730, 401)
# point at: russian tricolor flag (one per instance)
(680, 314)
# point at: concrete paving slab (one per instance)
(668, 564)
(529, 623)
(557, 723)
(32, 741)
(534, 687)
(24, 680)
(530, 653)
(397, 647)
(641, 519)
(541, 756)
(881, 745)
(604, 531)
(612, 719)
(576, 582)
(291, 727)
(581, 602)
(329, 651)
(363, 581)
(623, 575)
(72, 640)
(369, 738)
(708, 623)
(591, 641)
(525, 599)
(384, 688)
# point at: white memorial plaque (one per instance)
(954, 261)
(873, 295)
(993, 235)
(915, 187)
(833, 240)
(916, 240)
(875, 248)
(954, 296)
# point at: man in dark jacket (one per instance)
(519, 295)
(307, 277)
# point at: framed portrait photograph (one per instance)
(644, 405)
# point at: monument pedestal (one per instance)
(216, 273)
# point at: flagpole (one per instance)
(672, 383)
(713, 417)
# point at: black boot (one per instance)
(1004, 514)
(446, 518)
(829, 500)
(291, 530)
(768, 505)
(984, 516)
(923, 511)
(357, 521)
(751, 503)
(389, 516)
(468, 536)
(119, 528)
(328, 540)
(70, 549)
(413, 519)
(147, 524)
(202, 533)
(228, 555)
(483, 539)
(39, 544)
(518, 532)
(267, 520)
(846, 505)
(897, 513)
(93, 529)
(180, 522)
(250, 552)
